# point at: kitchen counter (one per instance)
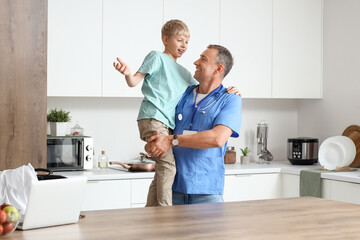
(287, 218)
(230, 169)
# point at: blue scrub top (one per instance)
(202, 171)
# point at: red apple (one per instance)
(4, 206)
(1, 229)
(2, 216)
(8, 227)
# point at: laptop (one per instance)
(53, 202)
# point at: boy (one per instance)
(164, 83)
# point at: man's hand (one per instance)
(158, 145)
(234, 89)
(122, 67)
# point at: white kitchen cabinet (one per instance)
(107, 194)
(74, 52)
(139, 192)
(341, 191)
(202, 18)
(246, 30)
(252, 187)
(297, 49)
(277, 44)
(131, 29)
(290, 184)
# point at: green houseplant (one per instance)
(245, 159)
(58, 120)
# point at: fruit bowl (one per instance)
(9, 219)
(8, 227)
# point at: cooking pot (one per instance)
(303, 150)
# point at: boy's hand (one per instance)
(233, 89)
(122, 67)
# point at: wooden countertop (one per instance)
(287, 218)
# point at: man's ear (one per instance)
(220, 68)
(165, 39)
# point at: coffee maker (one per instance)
(263, 155)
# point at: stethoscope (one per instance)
(196, 106)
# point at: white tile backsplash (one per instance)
(112, 124)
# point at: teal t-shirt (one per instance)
(164, 84)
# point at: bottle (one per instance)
(103, 160)
(230, 155)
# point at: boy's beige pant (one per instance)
(160, 192)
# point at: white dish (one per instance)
(330, 155)
(338, 151)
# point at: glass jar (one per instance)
(103, 160)
(230, 155)
(77, 130)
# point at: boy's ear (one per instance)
(165, 39)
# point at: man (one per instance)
(206, 117)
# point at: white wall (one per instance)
(112, 123)
(340, 106)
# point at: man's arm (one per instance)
(158, 144)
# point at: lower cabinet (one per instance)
(139, 191)
(132, 193)
(107, 194)
(331, 189)
(290, 185)
(245, 187)
(115, 194)
(341, 191)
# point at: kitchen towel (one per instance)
(15, 186)
(310, 183)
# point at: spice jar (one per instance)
(230, 155)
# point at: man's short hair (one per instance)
(173, 27)
(223, 57)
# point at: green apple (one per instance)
(12, 213)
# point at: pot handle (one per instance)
(124, 165)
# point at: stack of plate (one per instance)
(336, 152)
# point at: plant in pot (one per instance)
(245, 159)
(58, 120)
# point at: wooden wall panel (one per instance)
(23, 51)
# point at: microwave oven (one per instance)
(69, 153)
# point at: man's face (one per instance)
(176, 45)
(206, 65)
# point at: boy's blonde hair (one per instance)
(173, 27)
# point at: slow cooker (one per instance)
(302, 150)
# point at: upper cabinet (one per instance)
(131, 29)
(246, 30)
(297, 49)
(74, 48)
(203, 23)
(277, 44)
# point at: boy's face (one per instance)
(176, 45)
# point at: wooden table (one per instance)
(290, 218)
